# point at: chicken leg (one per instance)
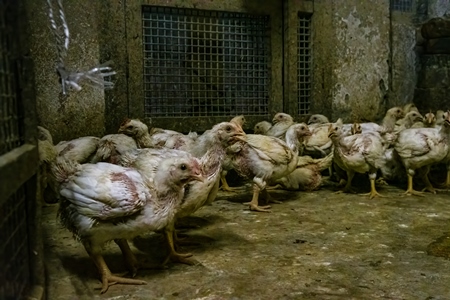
(174, 256)
(269, 199)
(225, 187)
(106, 276)
(428, 186)
(410, 190)
(253, 205)
(446, 185)
(130, 260)
(348, 186)
(373, 192)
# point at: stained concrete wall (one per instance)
(433, 84)
(81, 113)
(364, 60)
(361, 69)
(404, 58)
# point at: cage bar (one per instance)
(402, 5)
(10, 137)
(304, 64)
(205, 63)
(14, 249)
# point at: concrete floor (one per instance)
(317, 245)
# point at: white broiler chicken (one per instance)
(359, 153)
(392, 168)
(317, 119)
(265, 158)
(409, 107)
(440, 119)
(156, 137)
(419, 148)
(429, 120)
(197, 194)
(80, 150)
(411, 119)
(47, 156)
(112, 146)
(281, 123)
(104, 202)
(262, 127)
(387, 125)
(227, 164)
(318, 144)
(307, 175)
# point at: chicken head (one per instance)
(133, 127)
(318, 119)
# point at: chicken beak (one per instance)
(198, 176)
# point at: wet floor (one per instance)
(315, 245)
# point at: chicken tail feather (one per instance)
(326, 162)
(105, 151)
(62, 169)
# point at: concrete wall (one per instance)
(81, 113)
(361, 70)
(433, 84)
(364, 59)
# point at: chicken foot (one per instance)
(131, 262)
(269, 199)
(107, 277)
(410, 190)
(446, 185)
(428, 186)
(225, 187)
(373, 191)
(173, 255)
(253, 205)
(348, 186)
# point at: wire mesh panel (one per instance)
(10, 136)
(304, 64)
(15, 274)
(402, 5)
(14, 255)
(205, 63)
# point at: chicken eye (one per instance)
(228, 128)
(183, 167)
(398, 110)
(129, 127)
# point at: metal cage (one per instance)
(14, 250)
(18, 159)
(402, 5)
(304, 72)
(10, 136)
(205, 63)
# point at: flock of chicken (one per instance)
(123, 185)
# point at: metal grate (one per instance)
(402, 5)
(304, 64)
(14, 247)
(10, 136)
(205, 63)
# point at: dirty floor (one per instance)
(315, 245)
